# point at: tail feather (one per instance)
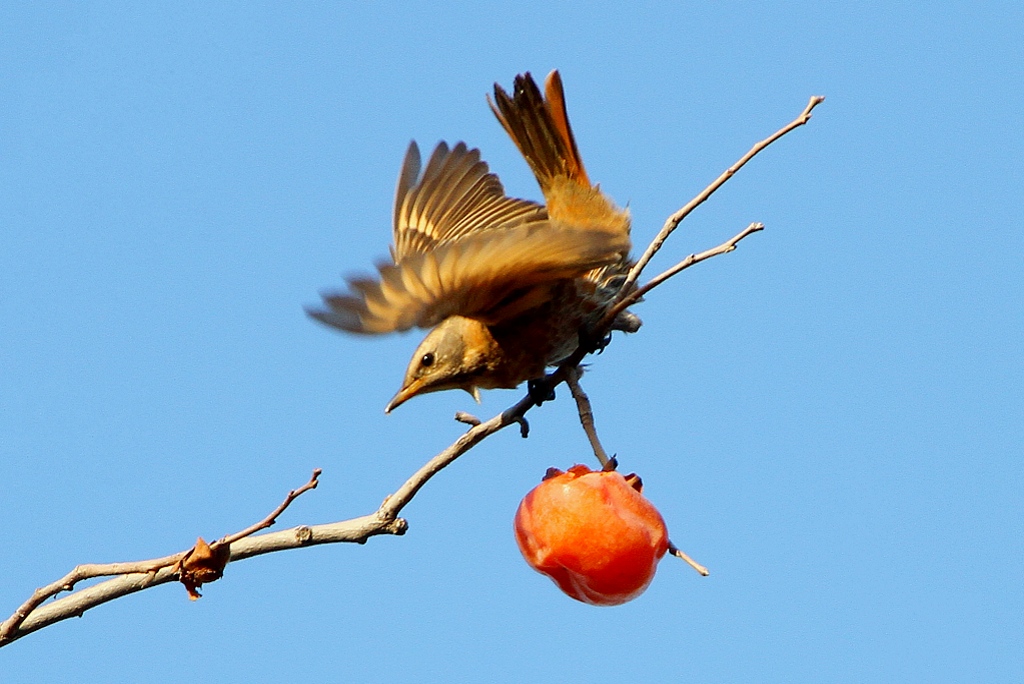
(560, 118)
(540, 129)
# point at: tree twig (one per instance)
(272, 518)
(724, 248)
(675, 219)
(143, 573)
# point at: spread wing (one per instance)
(455, 196)
(463, 248)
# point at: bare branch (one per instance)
(572, 379)
(675, 219)
(12, 627)
(723, 248)
(131, 577)
(397, 501)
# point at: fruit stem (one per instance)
(678, 553)
(572, 379)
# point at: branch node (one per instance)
(303, 534)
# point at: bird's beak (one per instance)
(405, 394)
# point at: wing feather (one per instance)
(455, 196)
(470, 277)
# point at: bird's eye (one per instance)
(427, 360)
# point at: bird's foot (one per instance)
(540, 391)
(587, 340)
(604, 342)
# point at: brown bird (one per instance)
(508, 285)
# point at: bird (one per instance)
(507, 286)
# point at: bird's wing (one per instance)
(454, 197)
(475, 276)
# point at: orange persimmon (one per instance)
(593, 533)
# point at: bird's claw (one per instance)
(539, 391)
(589, 341)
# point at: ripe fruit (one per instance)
(593, 533)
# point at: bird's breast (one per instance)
(546, 334)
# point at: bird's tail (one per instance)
(539, 126)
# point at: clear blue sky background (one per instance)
(831, 418)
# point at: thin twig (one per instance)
(572, 379)
(143, 573)
(272, 518)
(675, 219)
(724, 248)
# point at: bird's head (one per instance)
(452, 356)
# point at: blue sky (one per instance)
(831, 418)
